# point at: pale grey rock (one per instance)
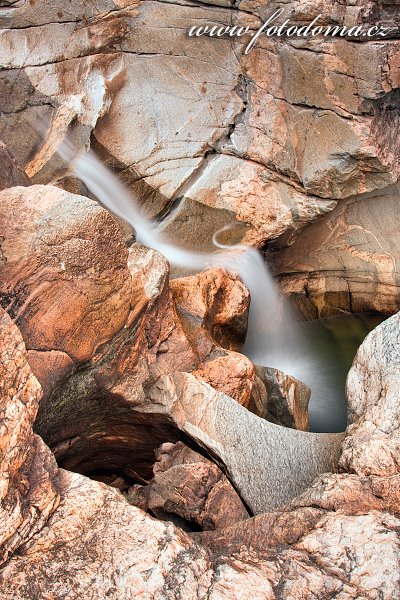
(372, 446)
(287, 460)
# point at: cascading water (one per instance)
(272, 338)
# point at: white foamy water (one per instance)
(272, 338)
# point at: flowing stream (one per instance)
(273, 339)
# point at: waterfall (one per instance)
(272, 337)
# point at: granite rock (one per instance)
(190, 490)
(347, 261)
(222, 135)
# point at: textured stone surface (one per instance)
(101, 327)
(287, 460)
(373, 443)
(348, 260)
(232, 374)
(212, 302)
(226, 137)
(274, 139)
(95, 544)
(189, 490)
(65, 270)
(280, 398)
(27, 493)
(10, 172)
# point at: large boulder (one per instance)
(64, 272)
(287, 460)
(239, 138)
(372, 446)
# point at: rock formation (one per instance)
(348, 261)
(59, 261)
(226, 136)
(141, 454)
(96, 545)
(190, 490)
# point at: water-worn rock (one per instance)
(373, 443)
(96, 545)
(232, 374)
(100, 319)
(190, 490)
(128, 363)
(222, 135)
(65, 271)
(212, 302)
(238, 440)
(280, 398)
(348, 260)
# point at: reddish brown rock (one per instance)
(348, 260)
(242, 138)
(214, 302)
(95, 544)
(51, 368)
(27, 467)
(65, 270)
(10, 172)
(190, 490)
(232, 374)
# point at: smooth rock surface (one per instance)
(373, 443)
(348, 261)
(195, 123)
(287, 460)
(65, 270)
(94, 544)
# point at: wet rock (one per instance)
(189, 490)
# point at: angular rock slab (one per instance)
(268, 464)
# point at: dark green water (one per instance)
(333, 342)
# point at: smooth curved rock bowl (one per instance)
(268, 464)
